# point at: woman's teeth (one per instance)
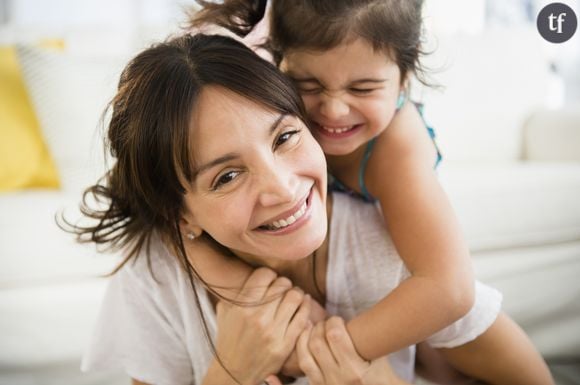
(337, 130)
(288, 221)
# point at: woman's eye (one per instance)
(286, 136)
(224, 179)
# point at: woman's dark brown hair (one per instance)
(391, 26)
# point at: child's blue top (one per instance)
(337, 185)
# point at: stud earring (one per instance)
(190, 236)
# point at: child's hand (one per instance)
(327, 356)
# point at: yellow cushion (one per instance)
(24, 158)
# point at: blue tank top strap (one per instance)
(431, 131)
(420, 107)
(401, 100)
(361, 172)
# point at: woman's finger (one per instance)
(288, 305)
(273, 380)
(299, 320)
(257, 285)
(319, 348)
(306, 361)
(279, 289)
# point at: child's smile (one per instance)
(350, 93)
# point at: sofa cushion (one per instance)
(541, 291)
(24, 158)
(553, 135)
(48, 323)
(515, 204)
(69, 93)
(34, 250)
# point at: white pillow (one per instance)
(492, 81)
(553, 135)
(69, 94)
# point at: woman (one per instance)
(155, 199)
(210, 144)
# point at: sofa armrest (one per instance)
(553, 135)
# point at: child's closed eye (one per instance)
(310, 90)
(361, 91)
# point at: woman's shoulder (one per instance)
(140, 322)
(343, 202)
(153, 264)
(354, 213)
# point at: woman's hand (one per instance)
(258, 334)
(327, 356)
(291, 367)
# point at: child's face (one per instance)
(261, 183)
(350, 93)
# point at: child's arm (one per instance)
(420, 220)
(227, 274)
(502, 355)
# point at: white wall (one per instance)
(444, 17)
(125, 26)
(97, 26)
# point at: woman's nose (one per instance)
(333, 106)
(277, 186)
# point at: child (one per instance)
(352, 62)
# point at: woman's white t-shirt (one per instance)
(150, 326)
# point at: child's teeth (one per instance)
(338, 130)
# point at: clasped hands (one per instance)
(266, 330)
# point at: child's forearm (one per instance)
(409, 314)
(213, 266)
(226, 274)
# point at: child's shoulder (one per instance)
(405, 145)
(406, 139)
(406, 127)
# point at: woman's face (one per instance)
(260, 188)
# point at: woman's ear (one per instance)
(189, 229)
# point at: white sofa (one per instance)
(512, 171)
(50, 286)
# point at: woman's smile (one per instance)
(290, 220)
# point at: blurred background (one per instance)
(507, 116)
